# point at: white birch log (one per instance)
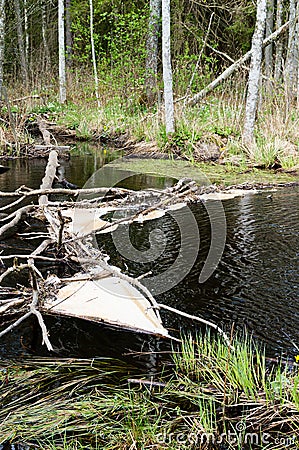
(254, 74)
(61, 52)
(167, 70)
(236, 65)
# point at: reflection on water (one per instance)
(256, 284)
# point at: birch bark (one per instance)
(46, 55)
(290, 58)
(23, 63)
(279, 46)
(167, 70)
(61, 52)
(269, 31)
(2, 28)
(152, 48)
(254, 74)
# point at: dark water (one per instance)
(256, 283)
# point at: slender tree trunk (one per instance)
(167, 70)
(68, 33)
(46, 56)
(2, 28)
(254, 74)
(290, 64)
(279, 46)
(26, 32)
(269, 31)
(61, 52)
(152, 51)
(93, 54)
(22, 55)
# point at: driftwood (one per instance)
(76, 247)
(236, 65)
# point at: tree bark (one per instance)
(269, 31)
(279, 46)
(290, 58)
(26, 32)
(61, 52)
(46, 56)
(167, 70)
(2, 28)
(68, 33)
(23, 63)
(93, 54)
(254, 74)
(231, 69)
(152, 50)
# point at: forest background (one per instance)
(114, 75)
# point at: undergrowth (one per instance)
(211, 130)
(214, 397)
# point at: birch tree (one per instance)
(254, 73)
(289, 69)
(167, 70)
(291, 63)
(152, 51)
(2, 27)
(93, 54)
(22, 55)
(46, 55)
(68, 33)
(279, 46)
(269, 31)
(61, 52)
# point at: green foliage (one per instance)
(63, 404)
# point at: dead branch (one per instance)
(197, 319)
(34, 303)
(16, 217)
(45, 133)
(15, 324)
(10, 304)
(231, 69)
(73, 192)
(20, 99)
(49, 177)
(14, 268)
(10, 205)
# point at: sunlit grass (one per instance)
(210, 389)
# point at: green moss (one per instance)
(203, 173)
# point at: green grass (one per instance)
(210, 390)
(215, 124)
(204, 173)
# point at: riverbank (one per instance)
(208, 136)
(208, 395)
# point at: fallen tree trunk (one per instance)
(96, 291)
(236, 65)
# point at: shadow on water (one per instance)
(255, 286)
